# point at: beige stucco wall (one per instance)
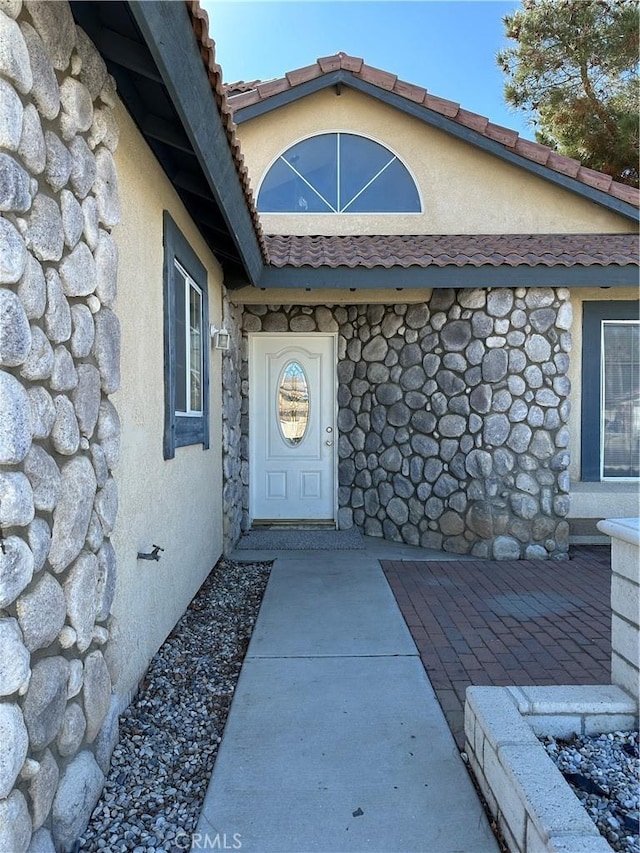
(593, 500)
(176, 503)
(463, 190)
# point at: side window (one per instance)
(610, 391)
(186, 362)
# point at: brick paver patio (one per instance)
(507, 622)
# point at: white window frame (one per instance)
(345, 211)
(603, 324)
(190, 284)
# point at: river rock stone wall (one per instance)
(59, 433)
(235, 401)
(452, 417)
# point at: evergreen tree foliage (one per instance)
(574, 67)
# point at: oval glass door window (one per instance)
(293, 403)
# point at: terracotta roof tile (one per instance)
(472, 120)
(533, 151)
(409, 91)
(272, 87)
(350, 63)
(441, 105)
(564, 165)
(476, 250)
(330, 63)
(302, 75)
(500, 134)
(200, 25)
(377, 77)
(509, 138)
(595, 179)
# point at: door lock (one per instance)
(329, 429)
(328, 442)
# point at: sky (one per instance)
(446, 46)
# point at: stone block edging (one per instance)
(534, 806)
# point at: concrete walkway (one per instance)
(335, 741)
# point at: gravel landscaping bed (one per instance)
(169, 734)
(603, 771)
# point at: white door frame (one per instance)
(333, 337)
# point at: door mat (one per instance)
(301, 540)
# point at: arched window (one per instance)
(338, 173)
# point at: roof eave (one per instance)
(415, 277)
(441, 122)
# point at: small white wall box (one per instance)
(221, 338)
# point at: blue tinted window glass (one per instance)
(360, 161)
(392, 191)
(335, 173)
(283, 191)
(315, 159)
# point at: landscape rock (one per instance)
(106, 258)
(14, 57)
(41, 842)
(16, 499)
(57, 318)
(11, 114)
(31, 148)
(15, 742)
(42, 789)
(44, 231)
(15, 823)
(78, 272)
(93, 72)
(105, 189)
(13, 252)
(46, 700)
(96, 692)
(73, 512)
(65, 434)
(78, 792)
(86, 398)
(44, 478)
(15, 420)
(106, 349)
(106, 581)
(83, 167)
(15, 185)
(72, 731)
(64, 376)
(39, 539)
(32, 289)
(15, 334)
(56, 27)
(45, 91)
(72, 218)
(39, 361)
(14, 663)
(77, 108)
(41, 612)
(83, 330)
(80, 594)
(42, 411)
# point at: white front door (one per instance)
(292, 427)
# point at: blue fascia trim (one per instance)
(358, 278)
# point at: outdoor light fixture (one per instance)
(220, 337)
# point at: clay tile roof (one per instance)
(200, 24)
(514, 250)
(240, 96)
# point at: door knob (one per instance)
(328, 442)
(329, 429)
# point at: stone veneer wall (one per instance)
(59, 433)
(452, 417)
(235, 404)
